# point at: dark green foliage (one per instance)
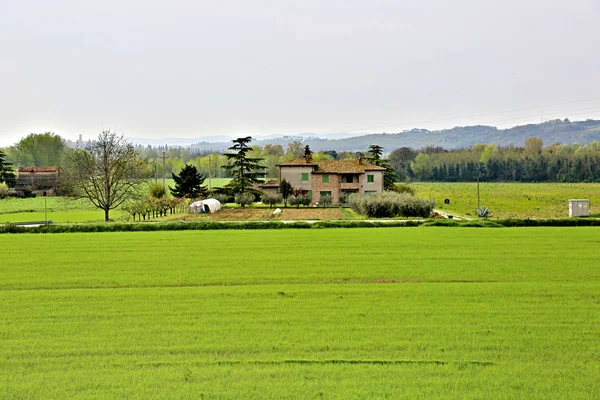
(307, 153)
(532, 163)
(6, 172)
(215, 225)
(244, 170)
(374, 157)
(188, 183)
(286, 190)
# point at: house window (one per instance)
(325, 179)
(349, 178)
(304, 176)
(327, 193)
(370, 178)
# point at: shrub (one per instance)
(325, 201)
(344, 198)
(300, 201)
(222, 197)
(156, 190)
(3, 190)
(244, 199)
(403, 188)
(271, 199)
(390, 204)
(483, 212)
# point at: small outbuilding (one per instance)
(579, 208)
(205, 206)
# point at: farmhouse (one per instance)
(37, 178)
(332, 178)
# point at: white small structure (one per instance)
(579, 208)
(277, 211)
(205, 206)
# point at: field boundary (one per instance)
(258, 225)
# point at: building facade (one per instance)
(332, 178)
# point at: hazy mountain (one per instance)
(556, 131)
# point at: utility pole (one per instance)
(209, 172)
(164, 156)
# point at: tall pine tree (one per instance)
(244, 170)
(6, 172)
(188, 183)
(374, 157)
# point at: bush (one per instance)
(390, 204)
(221, 197)
(403, 188)
(344, 198)
(244, 199)
(3, 190)
(271, 199)
(325, 201)
(483, 212)
(156, 190)
(300, 201)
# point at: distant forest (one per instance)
(554, 151)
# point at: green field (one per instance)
(65, 210)
(418, 313)
(57, 209)
(510, 200)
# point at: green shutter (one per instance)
(305, 176)
(371, 178)
(325, 179)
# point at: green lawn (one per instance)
(511, 200)
(359, 313)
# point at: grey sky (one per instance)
(198, 68)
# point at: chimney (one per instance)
(360, 162)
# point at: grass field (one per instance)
(336, 314)
(511, 200)
(58, 209)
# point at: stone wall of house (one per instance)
(293, 174)
(332, 186)
(376, 185)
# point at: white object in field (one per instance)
(579, 208)
(206, 206)
(277, 211)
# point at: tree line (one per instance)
(533, 162)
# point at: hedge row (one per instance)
(208, 225)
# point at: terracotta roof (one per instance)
(38, 169)
(335, 167)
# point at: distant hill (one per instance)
(555, 131)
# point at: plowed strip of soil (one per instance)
(287, 214)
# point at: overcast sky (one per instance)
(202, 68)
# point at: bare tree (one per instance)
(107, 172)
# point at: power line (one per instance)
(477, 115)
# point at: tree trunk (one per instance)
(106, 219)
